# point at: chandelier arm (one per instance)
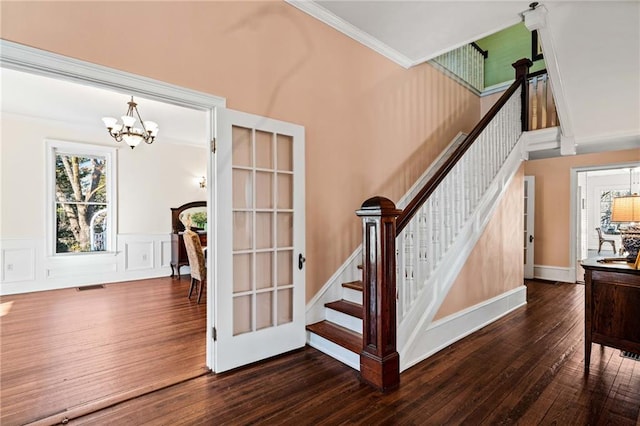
(132, 106)
(145, 133)
(116, 135)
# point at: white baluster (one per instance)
(467, 186)
(437, 225)
(400, 284)
(409, 260)
(446, 211)
(429, 237)
(422, 258)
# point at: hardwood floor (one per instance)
(67, 352)
(526, 368)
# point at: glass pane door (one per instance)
(262, 229)
(259, 288)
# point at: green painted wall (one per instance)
(506, 47)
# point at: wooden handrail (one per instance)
(414, 205)
(484, 53)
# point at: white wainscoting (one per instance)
(18, 261)
(138, 255)
(27, 268)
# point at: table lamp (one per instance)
(626, 209)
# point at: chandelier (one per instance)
(127, 131)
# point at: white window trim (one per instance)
(78, 148)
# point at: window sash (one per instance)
(102, 241)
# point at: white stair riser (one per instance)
(351, 295)
(338, 352)
(344, 320)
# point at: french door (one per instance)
(259, 288)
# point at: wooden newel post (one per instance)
(379, 359)
(522, 69)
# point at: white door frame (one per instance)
(35, 61)
(573, 208)
(530, 226)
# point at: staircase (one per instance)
(429, 239)
(340, 334)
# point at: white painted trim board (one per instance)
(450, 329)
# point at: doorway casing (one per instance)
(573, 208)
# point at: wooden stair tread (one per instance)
(339, 335)
(346, 307)
(354, 285)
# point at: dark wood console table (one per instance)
(178, 250)
(611, 307)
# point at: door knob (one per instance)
(530, 238)
(301, 261)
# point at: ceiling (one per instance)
(595, 45)
(52, 99)
(422, 30)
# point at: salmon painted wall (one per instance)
(552, 198)
(372, 127)
(486, 102)
(495, 266)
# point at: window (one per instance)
(82, 198)
(606, 201)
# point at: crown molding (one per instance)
(323, 15)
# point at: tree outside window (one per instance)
(81, 203)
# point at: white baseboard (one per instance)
(448, 330)
(554, 273)
(27, 268)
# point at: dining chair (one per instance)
(196, 261)
(602, 240)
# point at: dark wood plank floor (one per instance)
(526, 368)
(67, 349)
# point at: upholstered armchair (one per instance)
(196, 261)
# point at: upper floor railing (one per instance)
(467, 63)
(542, 109)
